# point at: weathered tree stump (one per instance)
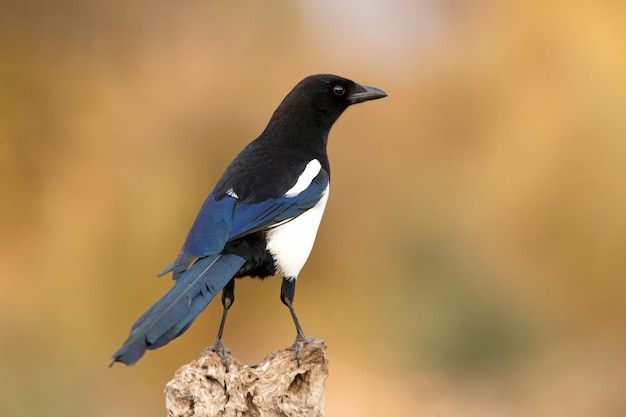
(276, 387)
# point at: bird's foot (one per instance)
(298, 344)
(219, 348)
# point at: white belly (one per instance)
(290, 243)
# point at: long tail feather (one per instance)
(178, 308)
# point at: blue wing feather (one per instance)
(250, 218)
(211, 229)
(226, 219)
(208, 234)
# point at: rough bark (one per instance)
(276, 387)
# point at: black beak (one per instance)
(365, 93)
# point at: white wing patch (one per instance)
(232, 193)
(310, 172)
(290, 243)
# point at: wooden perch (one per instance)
(277, 387)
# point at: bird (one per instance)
(260, 219)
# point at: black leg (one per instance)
(228, 298)
(287, 294)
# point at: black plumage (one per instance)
(261, 217)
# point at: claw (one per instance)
(219, 348)
(298, 344)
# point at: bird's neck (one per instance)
(298, 128)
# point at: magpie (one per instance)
(260, 220)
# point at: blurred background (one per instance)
(483, 274)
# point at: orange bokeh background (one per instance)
(471, 260)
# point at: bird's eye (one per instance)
(339, 90)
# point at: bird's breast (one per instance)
(290, 243)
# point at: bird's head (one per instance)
(332, 94)
(326, 96)
(307, 113)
